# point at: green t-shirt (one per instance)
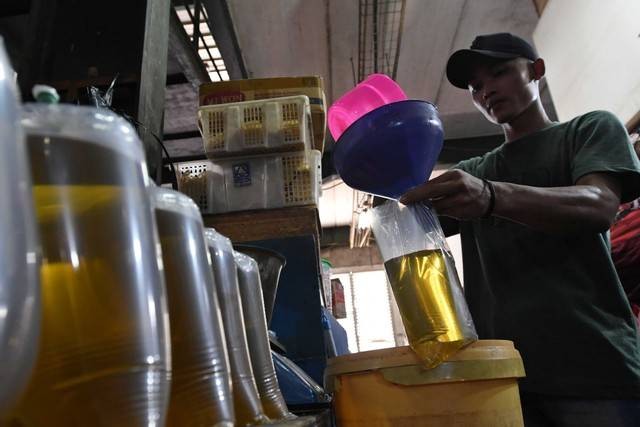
(556, 296)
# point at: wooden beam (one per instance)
(182, 49)
(247, 226)
(540, 5)
(224, 32)
(153, 80)
(343, 259)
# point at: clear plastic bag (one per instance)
(424, 280)
(246, 399)
(255, 323)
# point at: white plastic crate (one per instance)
(268, 125)
(256, 182)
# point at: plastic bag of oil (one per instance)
(19, 253)
(246, 398)
(424, 280)
(255, 322)
(104, 354)
(201, 383)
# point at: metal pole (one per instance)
(375, 36)
(153, 79)
(196, 25)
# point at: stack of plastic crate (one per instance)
(259, 154)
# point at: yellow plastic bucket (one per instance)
(477, 387)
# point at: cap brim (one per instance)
(460, 64)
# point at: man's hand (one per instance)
(455, 193)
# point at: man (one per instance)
(533, 216)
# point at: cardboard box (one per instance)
(254, 89)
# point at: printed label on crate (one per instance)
(241, 174)
(223, 98)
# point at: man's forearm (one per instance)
(559, 209)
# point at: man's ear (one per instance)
(537, 69)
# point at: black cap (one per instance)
(500, 46)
